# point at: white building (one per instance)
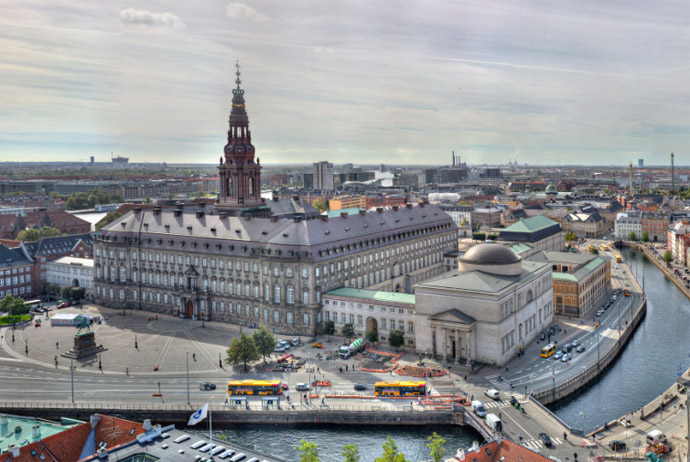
(323, 176)
(626, 223)
(369, 310)
(72, 272)
(493, 306)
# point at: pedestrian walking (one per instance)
(341, 369)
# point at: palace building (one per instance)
(249, 262)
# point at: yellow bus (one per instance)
(400, 388)
(619, 259)
(548, 350)
(255, 387)
(604, 247)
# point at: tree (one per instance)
(645, 236)
(265, 342)
(34, 234)
(396, 338)
(348, 331)
(593, 250)
(350, 453)
(109, 218)
(329, 329)
(570, 236)
(242, 350)
(78, 294)
(491, 237)
(66, 292)
(632, 236)
(436, 446)
(668, 256)
(320, 204)
(479, 236)
(308, 452)
(390, 452)
(373, 336)
(13, 305)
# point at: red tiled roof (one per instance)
(506, 452)
(10, 243)
(67, 445)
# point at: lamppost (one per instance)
(220, 361)
(553, 377)
(26, 346)
(100, 365)
(188, 400)
(71, 372)
(136, 345)
(582, 416)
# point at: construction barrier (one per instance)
(322, 383)
(417, 371)
(394, 360)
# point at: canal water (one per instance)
(281, 440)
(649, 363)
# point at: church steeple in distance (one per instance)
(240, 175)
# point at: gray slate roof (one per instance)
(479, 281)
(12, 257)
(50, 246)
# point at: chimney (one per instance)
(137, 209)
(157, 210)
(396, 208)
(343, 215)
(295, 198)
(14, 450)
(379, 209)
(408, 205)
(3, 420)
(274, 195)
(362, 212)
(36, 429)
(199, 213)
(94, 419)
(202, 204)
(324, 218)
(475, 446)
(296, 219)
(147, 425)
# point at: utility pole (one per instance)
(188, 400)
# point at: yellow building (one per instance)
(347, 202)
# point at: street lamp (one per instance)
(188, 400)
(136, 345)
(582, 416)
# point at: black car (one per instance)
(616, 445)
(360, 387)
(207, 386)
(545, 439)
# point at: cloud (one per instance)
(240, 10)
(131, 16)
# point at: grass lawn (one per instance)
(8, 320)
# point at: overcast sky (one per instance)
(591, 82)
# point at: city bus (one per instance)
(400, 388)
(32, 304)
(548, 350)
(604, 248)
(255, 387)
(619, 259)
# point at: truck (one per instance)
(351, 350)
(494, 423)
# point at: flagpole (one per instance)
(210, 429)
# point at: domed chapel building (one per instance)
(487, 310)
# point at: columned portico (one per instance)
(456, 325)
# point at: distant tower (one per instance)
(631, 183)
(240, 175)
(673, 176)
(453, 158)
(640, 163)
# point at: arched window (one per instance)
(530, 297)
(135, 275)
(112, 274)
(230, 286)
(123, 274)
(228, 186)
(256, 291)
(305, 297)
(247, 289)
(290, 295)
(251, 186)
(276, 293)
(267, 293)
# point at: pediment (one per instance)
(453, 316)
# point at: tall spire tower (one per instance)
(631, 180)
(240, 175)
(673, 175)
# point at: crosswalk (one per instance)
(537, 444)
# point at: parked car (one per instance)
(360, 387)
(285, 386)
(580, 349)
(207, 386)
(64, 305)
(616, 445)
(599, 313)
(492, 393)
(302, 387)
(566, 357)
(546, 439)
(295, 342)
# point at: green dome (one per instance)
(551, 189)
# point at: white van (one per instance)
(655, 436)
(478, 408)
(494, 423)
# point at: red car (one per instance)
(64, 305)
(284, 386)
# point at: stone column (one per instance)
(457, 346)
(445, 343)
(434, 339)
(469, 350)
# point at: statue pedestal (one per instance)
(84, 345)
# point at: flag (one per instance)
(199, 415)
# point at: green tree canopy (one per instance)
(66, 292)
(593, 250)
(265, 342)
(242, 350)
(668, 256)
(109, 218)
(78, 294)
(350, 453)
(308, 452)
(373, 336)
(33, 234)
(645, 236)
(632, 236)
(13, 305)
(436, 447)
(396, 338)
(329, 328)
(570, 236)
(479, 236)
(391, 452)
(348, 331)
(320, 204)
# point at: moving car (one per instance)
(478, 408)
(566, 357)
(64, 305)
(580, 349)
(360, 387)
(207, 386)
(546, 439)
(575, 343)
(492, 393)
(557, 355)
(599, 313)
(302, 387)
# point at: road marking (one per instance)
(521, 427)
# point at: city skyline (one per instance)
(356, 82)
